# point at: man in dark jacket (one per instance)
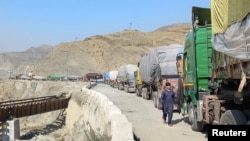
(167, 101)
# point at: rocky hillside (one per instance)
(99, 53)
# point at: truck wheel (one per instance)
(233, 117)
(125, 88)
(155, 99)
(159, 105)
(143, 93)
(195, 125)
(137, 92)
(120, 86)
(247, 113)
(155, 102)
(147, 96)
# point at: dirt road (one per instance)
(146, 120)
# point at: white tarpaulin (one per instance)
(113, 75)
(231, 27)
(124, 72)
(235, 41)
(160, 61)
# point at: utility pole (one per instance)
(66, 62)
(132, 41)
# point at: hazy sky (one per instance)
(31, 23)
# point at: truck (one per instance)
(110, 78)
(155, 68)
(93, 76)
(55, 77)
(106, 77)
(138, 81)
(73, 78)
(126, 79)
(215, 66)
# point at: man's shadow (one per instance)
(186, 120)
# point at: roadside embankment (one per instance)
(90, 115)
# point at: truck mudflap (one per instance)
(211, 109)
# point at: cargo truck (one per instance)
(106, 77)
(216, 66)
(138, 81)
(110, 78)
(156, 68)
(126, 79)
(93, 76)
(55, 77)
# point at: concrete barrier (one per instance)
(101, 118)
(121, 128)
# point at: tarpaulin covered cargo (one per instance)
(113, 75)
(227, 12)
(110, 75)
(106, 75)
(125, 72)
(231, 27)
(160, 61)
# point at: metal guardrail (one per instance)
(32, 106)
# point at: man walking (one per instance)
(167, 101)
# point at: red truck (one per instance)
(93, 76)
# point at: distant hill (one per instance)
(15, 61)
(98, 53)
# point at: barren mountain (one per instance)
(99, 53)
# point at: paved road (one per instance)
(146, 120)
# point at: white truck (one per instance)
(126, 79)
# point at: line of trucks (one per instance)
(148, 77)
(123, 78)
(58, 77)
(210, 73)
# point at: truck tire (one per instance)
(143, 93)
(155, 99)
(159, 105)
(138, 92)
(125, 88)
(155, 102)
(233, 117)
(195, 125)
(120, 86)
(247, 113)
(148, 96)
